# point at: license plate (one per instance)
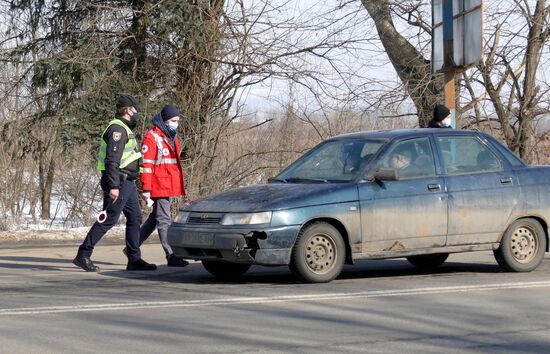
(198, 239)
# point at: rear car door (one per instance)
(408, 213)
(482, 190)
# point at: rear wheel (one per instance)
(225, 270)
(522, 247)
(319, 253)
(428, 261)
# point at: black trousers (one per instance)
(127, 203)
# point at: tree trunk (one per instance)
(538, 33)
(46, 174)
(413, 69)
(196, 88)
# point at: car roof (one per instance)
(403, 133)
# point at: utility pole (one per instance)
(448, 54)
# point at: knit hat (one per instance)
(126, 101)
(169, 111)
(440, 112)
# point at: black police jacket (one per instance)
(113, 176)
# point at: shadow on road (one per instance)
(40, 263)
(196, 274)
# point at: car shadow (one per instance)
(372, 269)
(196, 274)
(399, 268)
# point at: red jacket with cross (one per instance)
(161, 174)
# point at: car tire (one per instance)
(522, 247)
(225, 270)
(319, 253)
(428, 261)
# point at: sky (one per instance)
(365, 60)
(368, 63)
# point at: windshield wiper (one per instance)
(275, 179)
(299, 179)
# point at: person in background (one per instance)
(119, 163)
(441, 117)
(162, 177)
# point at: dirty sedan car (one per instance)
(419, 194)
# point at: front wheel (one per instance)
(428, 261)
(522, 247)
(319, 253)
(225, 270)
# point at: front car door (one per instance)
(408, 213)
(482, 190)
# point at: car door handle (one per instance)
(434, 187)
(506, 180)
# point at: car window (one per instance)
(324, 161)
(509, 155)
(412, 158)
(463, 154)
(338, 161)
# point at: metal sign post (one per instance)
(449, 67)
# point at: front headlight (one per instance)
(181, 217)
(247, 218)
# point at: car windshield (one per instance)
(331, 161)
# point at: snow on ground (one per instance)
(52, 235)
(57, 230)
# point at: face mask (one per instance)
(134, 117)
(447, 122)
(173, 126)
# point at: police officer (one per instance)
(118, 161)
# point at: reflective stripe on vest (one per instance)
(161, 160)
(130, 153)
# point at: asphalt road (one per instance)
(466, 306)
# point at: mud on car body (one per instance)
(419, 194)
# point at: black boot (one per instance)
(140, 264)
(173, 261)
(85, 263)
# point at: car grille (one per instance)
(204, 218)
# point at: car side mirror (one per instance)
(385, 174)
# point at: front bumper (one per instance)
(265, 246)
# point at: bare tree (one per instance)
(409, 61)
(510, 72)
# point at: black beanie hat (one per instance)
(126, 101)
(169, 111)
(441, 112)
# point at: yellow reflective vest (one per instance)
(131, 152)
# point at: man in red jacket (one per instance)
(162, 177)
